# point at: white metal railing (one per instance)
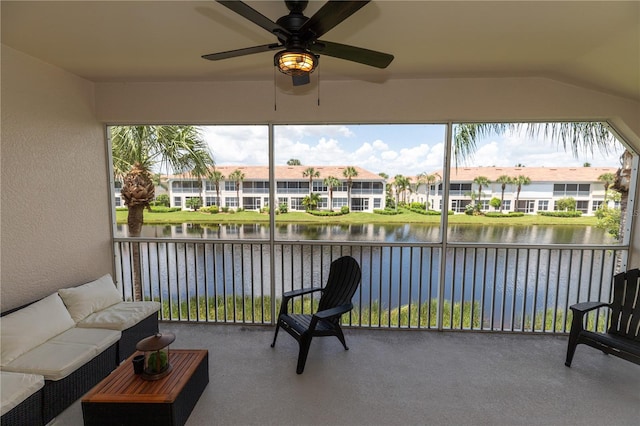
(495, 287)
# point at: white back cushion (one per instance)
(31, 326)
(92, 297)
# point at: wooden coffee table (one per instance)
(124, 398)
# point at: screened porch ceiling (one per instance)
(590, 44)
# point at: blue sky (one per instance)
(392, 149)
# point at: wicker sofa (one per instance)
(73, 339)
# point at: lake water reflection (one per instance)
(401, 233)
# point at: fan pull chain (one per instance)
(318, 87)
(275, 91)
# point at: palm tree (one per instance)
(331, 182)
(293, 162)
(427, 180)
(503, 180)
(519, 181)
(349, 172)
(136, 151)
(311, 201)
(481, 181)
(573, 136)
(397, 185)
(237, 176)
(311, 173)
(608, 179)
(402, 184)
(432, 179)
(216, 178)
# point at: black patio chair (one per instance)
(622, 338)
(343, 281)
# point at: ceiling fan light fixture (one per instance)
(295, 62)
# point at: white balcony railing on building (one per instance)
(497, 287)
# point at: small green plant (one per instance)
(283, 208)
(157, 361)
(566, 204)
(162, 209)
(162, 200)
(210, 209)
(576, 213)
(498, 214)
(387, 212)
(495, 203)
(344, 209)
(194, 203)
(324, 213)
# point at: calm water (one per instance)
(405, 233)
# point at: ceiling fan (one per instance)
(298, 38)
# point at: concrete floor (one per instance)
(391, 377)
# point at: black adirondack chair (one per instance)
(343, 281)
(622, 339)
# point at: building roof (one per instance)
(536, 174)
(289, 172)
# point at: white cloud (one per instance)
(380, 146)
(232, 145)
(383, 149)
(389, 155)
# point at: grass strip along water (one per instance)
(405, 216)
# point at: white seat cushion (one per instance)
(92, 297)
(120, 316)
(16, 387)
(100, 338)
(31, 326)
(54, 360)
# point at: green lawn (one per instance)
(351, 218)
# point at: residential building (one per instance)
(546, 186)
(367, 190)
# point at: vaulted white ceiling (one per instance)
(588, 43)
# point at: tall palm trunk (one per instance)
(622, 184)
(137, 191)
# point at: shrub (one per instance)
(324, 213)
(495, 203)
(509, 214)
(283, 208)
(239, 209)
(561, 214)
(162, 209)
(194, 203)
(210, 209)
(387, 212)
(426, 212)
(473, 210)
(566, 204)
(162, 200)
(416, 206)
(344, 210)
(225, 209)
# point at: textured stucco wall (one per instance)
(55, 222)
